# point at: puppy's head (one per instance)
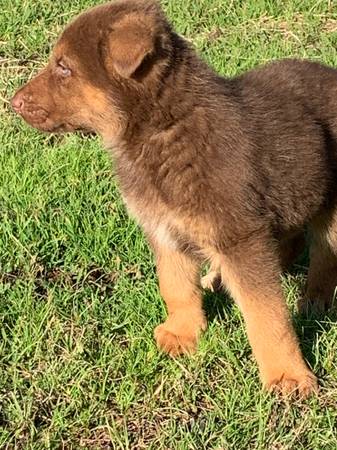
(99, 64)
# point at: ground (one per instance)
(78, 294)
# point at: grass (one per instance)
(78, 292)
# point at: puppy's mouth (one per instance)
(40, 119)
(62, 127)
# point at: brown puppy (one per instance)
(220, 170)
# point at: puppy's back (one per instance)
(289, 109)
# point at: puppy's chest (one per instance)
(144, 204)
(161, 224)
(176, 223)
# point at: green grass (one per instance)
(78, 292)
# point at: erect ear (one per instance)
(130, 40)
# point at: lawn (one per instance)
(78, 293)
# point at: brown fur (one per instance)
(228, 171)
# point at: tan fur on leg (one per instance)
(178, 281)
(252, 276)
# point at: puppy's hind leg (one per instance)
(212, 280)
(290, 248)
(322, 275)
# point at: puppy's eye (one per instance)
(63, 69)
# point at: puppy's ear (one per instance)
(129, 42)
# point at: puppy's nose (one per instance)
(18, 102)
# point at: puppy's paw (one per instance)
(211, 281)
(176, 338)
(292, 385)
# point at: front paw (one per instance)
(176, 337)
(301, 385)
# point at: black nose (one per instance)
(18, 102)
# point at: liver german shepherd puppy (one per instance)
(227, 171)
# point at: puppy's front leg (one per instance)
(251, 271)
(179, 285)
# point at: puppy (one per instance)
(227, 171)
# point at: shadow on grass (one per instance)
(217, 305)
